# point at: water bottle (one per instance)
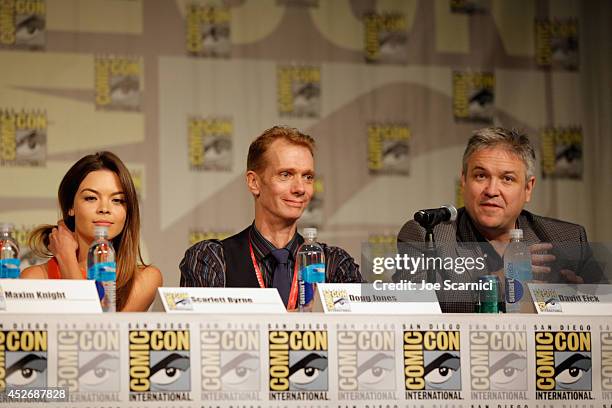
(9, 253)
(517, 269)
(102, 268)
(311, 269)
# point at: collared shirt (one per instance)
(468, 232)
(204, 263)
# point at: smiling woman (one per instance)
(97, 191)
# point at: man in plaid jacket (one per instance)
(497, 181)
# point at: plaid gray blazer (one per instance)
(461, 239)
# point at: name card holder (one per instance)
(367, 298)
(49, 296)
(583, 300)
(221, 300)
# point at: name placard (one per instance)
(572, 299)
(367, 298)
(221, 300)
(49, 296)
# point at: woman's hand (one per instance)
(62, 243)
(64, 246)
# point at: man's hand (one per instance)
(571, 277)
(540, 258)
(63, 243)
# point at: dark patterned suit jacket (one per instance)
(461, 239)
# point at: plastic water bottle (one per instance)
(311, 269)
(9, 253)
(517, 269)
(102, 268)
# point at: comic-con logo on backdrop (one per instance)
(88, 363)
(366, 364)
(23, 138)
(23, 24)
(432, 364)
(498, 365)
(556, 43)
(298, 365)
(230, 363)
(386, 37)
(563, 365)
(606, 364)
(208, 31)
(389, 149)
(117, 83)
(299, 91)
(23, 359)
(562, 152)
(473, 96)
(159, 368)
(209, 142)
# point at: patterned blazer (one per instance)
(461, 239)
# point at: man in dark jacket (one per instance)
(497, 179)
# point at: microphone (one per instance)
(433, 216)
(428, 219)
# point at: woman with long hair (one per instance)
(97, 191)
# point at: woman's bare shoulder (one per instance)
(149, 275)
(35, 272)
(146, 281)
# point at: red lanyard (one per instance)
(294, 286)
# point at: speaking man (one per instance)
(280, 176)
(498, 178)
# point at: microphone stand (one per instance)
(428, 219)
(430, 252)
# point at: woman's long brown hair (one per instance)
(126, 243)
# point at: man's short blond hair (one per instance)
(259, 146)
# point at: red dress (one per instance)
(53, 270)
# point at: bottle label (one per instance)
(314, 273)
(103, 271)
(514, 290)
(306, 293)
(517, 274)
(9, 268)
